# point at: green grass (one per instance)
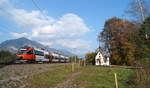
(89, 77)
(102, 77)
(50, 78)
(1, 77)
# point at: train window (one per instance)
(39, 53)
(47, 56)
(30, 52)
(20, 52)
(51, 57)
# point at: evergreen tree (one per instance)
(143, 42)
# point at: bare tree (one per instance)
(139, 10)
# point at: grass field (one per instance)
(50, 78)
(102, 77)
(82, 77)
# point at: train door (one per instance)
(39, 55)
(29, 55)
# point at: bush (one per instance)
(90, 58)
(6, 57)
(140, 78)
(145, 61)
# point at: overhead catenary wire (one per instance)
(35, 4)
(9, 28)
(4, 27)
(2, 30)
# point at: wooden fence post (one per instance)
(72, 66)
(116, 81)
(79, 62)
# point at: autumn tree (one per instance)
(117, 40)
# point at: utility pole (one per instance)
(75, 59)
(79, 62)
(85, 62)
(73, 62)
(72, 66)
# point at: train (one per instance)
(30, 54)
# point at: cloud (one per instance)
(68, 26)
(31, 19)
(3, 3)
(78, 46)
(19, 35)
(73, 44)
(67, 32)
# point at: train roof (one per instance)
(41, 49)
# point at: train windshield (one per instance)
(20, 52)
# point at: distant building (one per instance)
(100, 60)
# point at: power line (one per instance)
(3, 26)
(35, 4)
(6, 29)
(6, 26)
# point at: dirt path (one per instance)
(12, 76)
(69, 82)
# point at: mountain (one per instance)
(14, 44)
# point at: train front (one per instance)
(20, 54)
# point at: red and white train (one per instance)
(39, 55)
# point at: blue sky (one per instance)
(79, 21)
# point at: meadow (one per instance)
(81, 77)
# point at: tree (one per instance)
(141, 77)
(6, 57)
(117, 38)
(143, 42)
(138, 9)
(90, 58)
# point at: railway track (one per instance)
(27, 63)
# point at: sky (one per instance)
(72, 25)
